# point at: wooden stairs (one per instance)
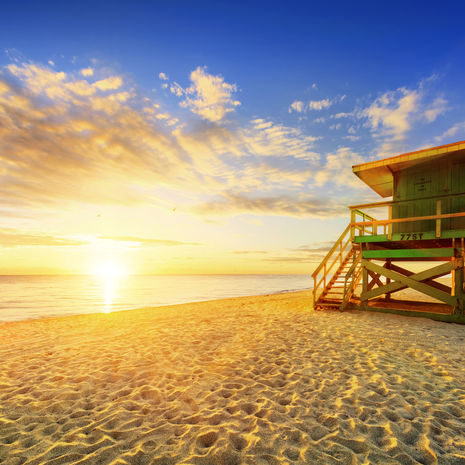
(337, 277)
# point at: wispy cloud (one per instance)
(90, 138)
(392, 115)
(457, 128)
(265, 138)
(17, 238)
(300, 206)
(338, 168)
(299, 106)
(87, 72)
(208, 96)
(319, 104)
(63, 137)
(250, 252)
(148, 241)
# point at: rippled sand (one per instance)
(255, 380)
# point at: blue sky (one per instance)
(227, 129)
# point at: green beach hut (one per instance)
(423, 222)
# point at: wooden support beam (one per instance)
(413, 282)
(374, 280)
(430, 282)
(426, 276)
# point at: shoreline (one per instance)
(247, 380)
(154, 307)
(26, 298)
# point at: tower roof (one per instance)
(379, 174)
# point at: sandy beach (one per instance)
(256, 380)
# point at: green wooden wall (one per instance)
(417, 189)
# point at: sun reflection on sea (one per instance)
(109, 293)
(109, 274)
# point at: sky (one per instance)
(209, 137)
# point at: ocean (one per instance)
(26, 297)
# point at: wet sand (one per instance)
(254, 380)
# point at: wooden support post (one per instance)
(390, 224)
(314, 291)
(458, 287)
(438, 221)
(388, 280)
(453, 271)
(364, 283)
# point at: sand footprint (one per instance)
(248, 407)
(237, 441)
(207, 440)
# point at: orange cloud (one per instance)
(64, 146)
(16, 238)
(87, 138)
(147, 241)
(303, 206)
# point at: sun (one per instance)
(110, 270)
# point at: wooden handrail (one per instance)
(349, 289)
(331, 251)
(363, 214)
(328, 269)
(412, 218)
(336, 255)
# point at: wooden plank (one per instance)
(410, 253)
(412, 282)
(380, 238)
(450, 318)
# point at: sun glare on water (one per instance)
(109, 273)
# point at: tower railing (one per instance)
(363, 224)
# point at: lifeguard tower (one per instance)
(424, 222)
